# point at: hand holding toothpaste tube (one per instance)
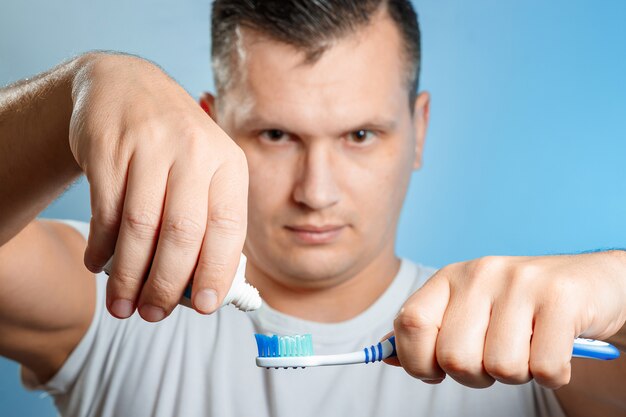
(168, 188)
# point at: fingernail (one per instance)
(205, 301)
(122, 308)
(94, 268)
(151, 313)
(433, 381)
(89, 262)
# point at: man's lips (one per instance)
(312, 234)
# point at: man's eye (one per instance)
(361, 137)
(274, 135)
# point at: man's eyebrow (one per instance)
(383, 125)
(255, 121)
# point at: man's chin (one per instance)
(313, 270)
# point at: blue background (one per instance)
(526, 148)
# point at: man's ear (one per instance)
(421, 114)
(207, 102)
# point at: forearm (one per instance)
(36, 163)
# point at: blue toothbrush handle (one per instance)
(583, 348)
(594, 349)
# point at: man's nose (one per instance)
(316, 187)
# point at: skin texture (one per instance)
(495, 318)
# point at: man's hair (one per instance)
(308, 25)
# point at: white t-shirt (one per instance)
(193, 365)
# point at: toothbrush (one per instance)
(297, 352)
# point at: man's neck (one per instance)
(331, 304)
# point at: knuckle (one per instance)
(196, 143)
(413, 320)
(457, 363)
(487, 265)
(182, 230)
(484, 272)
(162, 292)
(124, 280)
(212, 268)
(523, 273)
(225, 220)
(509, 371)
(104, 218)
(142, 224)
(551, 374)
(142, 126)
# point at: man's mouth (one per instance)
(315, 234)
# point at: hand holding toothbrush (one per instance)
(511, 319)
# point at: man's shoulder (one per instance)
(416, 269)
(77, 225)
(416, 272)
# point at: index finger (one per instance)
(417, 328)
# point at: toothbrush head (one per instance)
(297, 352)
(284, 346)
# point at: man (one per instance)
(322, 99)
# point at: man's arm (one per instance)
(168, 186)
(36, 163)
(47, 297)
(168, 194)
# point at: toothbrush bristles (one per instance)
(282, 346)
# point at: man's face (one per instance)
(330, 147)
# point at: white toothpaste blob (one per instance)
(241, 294)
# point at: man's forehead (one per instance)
(360, 74)
(313, 115)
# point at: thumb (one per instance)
(392, 360)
